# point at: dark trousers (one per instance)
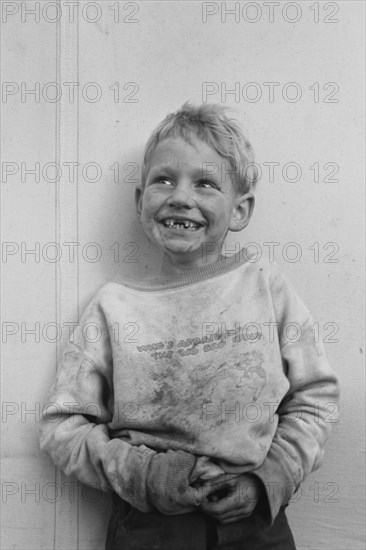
(130, 529)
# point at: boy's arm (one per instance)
(74, 429)
(308, 410)
(75, 434)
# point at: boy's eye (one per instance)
(164, 181)
(206, 184)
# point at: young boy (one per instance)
(202, 397)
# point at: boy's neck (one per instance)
(176, 266)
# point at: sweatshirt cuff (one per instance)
(278, 486)
(126, 469)
(168, 489)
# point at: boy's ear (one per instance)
(138, 200)
(243, 210)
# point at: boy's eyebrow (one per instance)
(196, 173)
(162, 168)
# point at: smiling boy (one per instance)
(202, 427)
(182, 210)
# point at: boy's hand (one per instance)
(230, 497)
(167, 483)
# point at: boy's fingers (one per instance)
(228, 507)
(195, 495)
(219, 507)
(222, 487)
(225, 479)
(219, 491)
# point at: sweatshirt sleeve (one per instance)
(74, 429)
(309, 408)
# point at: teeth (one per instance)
(180, 224)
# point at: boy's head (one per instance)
(210, 124)
(197, 177)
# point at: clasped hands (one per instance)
(230, 497)
(227, 497)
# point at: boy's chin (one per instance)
(187, 249)
(182, 250)
(194, 256)
(180, 245)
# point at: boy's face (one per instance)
(186, 212)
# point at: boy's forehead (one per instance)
(178, 151)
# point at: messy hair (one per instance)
(209, 123)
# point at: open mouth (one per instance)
(187, 225)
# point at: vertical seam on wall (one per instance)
(57, 267)
(77, 159)
(77, 221)
(66, 508)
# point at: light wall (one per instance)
(157, 55)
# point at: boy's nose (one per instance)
(181, 195)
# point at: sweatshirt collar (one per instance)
(223, 265)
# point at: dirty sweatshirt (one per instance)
(222, 362)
